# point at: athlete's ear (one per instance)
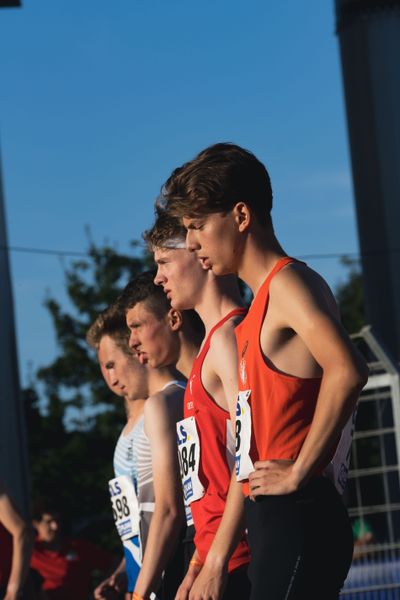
(175, 319)
(242, 215)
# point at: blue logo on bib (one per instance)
(188, 488)
(237, 464)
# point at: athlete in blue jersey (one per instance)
(128, 378)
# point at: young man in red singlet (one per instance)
(299, 377)
(205, 435)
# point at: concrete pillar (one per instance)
(369, 36)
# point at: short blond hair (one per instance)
(111, 322)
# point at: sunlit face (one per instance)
(181, 275)
(48, 528)
(153, 339)
(122, 372)
(215, 240)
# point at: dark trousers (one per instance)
(178, 565)
(238, 585)
(301, 544)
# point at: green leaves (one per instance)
(350, 297)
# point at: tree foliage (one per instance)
(350, 297)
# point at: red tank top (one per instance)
(6, 548)
(282, 406)
(217, 450)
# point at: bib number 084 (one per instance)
(187, 459)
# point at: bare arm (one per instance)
(190, 577)
(114, 584)
(22, 534)
(304, 308)
(168, 517)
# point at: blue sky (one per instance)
(99, 101)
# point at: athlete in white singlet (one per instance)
(127, 378)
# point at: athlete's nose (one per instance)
(191, 243)
(159, 279)
(133, 341)
(113, 377)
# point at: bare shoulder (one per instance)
(297, 284)
(155, 403)
(222, 358)
(164, 406)
(223, 342)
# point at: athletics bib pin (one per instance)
(124, 506)
(189, 459)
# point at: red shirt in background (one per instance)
(66, 572)
(6, 548)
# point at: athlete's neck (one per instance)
(134, 409)
(158, 378)
(188, 353)
(220, 296)
(261, 252)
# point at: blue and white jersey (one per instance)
(126, 465)
(126, 452)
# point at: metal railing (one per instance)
(373, 494)
(375, 573)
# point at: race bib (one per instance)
(243, 462)
(124, 506)
(189, 516)
(338, 469)
(189, 459)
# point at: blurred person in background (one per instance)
(64, 564)
(16, 541)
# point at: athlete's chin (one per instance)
(181, 304)
(155, 363)
(176, 302)
(219, 269)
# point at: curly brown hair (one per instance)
(166, 228)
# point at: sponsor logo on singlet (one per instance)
(193, 377)
(242, 365)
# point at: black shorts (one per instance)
(301, 544)
(188, 547)
(176, 568)
(238, 585)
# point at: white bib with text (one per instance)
(124, 506)
(243, 462)
(189, 459)
(338, 469)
